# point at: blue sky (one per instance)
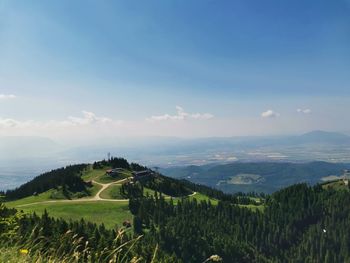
(234, 67)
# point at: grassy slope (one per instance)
(254, 207)
(105, 179)
(201, 197)
(46, 197)
(94, 189)
(336, 185)
(108, 213)
(112, 192)
(150, 192)
(92, 174)
(31, 199)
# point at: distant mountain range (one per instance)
(324, 137)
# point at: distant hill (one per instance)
(323, 137)
(260, 176)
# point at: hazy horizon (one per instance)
(86, 70)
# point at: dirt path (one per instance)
(97, 197)
(194, 193)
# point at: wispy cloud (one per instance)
(8, 123)
(7, 96)
(181, 115)
(305, 111)
(88, 118)
(270, 114)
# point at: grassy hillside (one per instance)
(100, 212)
(108, 213)
(337, 185)
(98, 205)
(112, 192)
(31, 199)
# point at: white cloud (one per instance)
(88, 118)
(181, 115)
(8, 123)
(269, 114)
(7, 96)
(305, 111)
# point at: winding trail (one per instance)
(97, 197)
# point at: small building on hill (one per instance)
(142, 175)
(114, 172)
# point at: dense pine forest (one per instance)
(300, 223)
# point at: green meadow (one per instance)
(112, 192)
(108, 213)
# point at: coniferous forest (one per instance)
(300, 223)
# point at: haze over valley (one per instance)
(22, 158)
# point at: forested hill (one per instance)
(300, 223)
(69, 177)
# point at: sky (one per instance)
(91, 69)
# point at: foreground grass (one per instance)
(37, 251)
(108, 213)
(13, 255)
